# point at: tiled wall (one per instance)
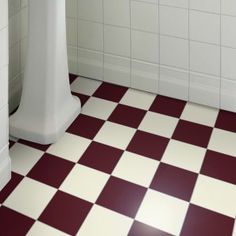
(17, 48)
(4, 158)
(180, 48)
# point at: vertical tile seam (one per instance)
(159, 46)
(103, 41)
(130, 53)
(189, 61)
(220, 88)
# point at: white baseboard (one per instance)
(5, 167)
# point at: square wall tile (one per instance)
(173, 21)
(204, 89)
(174, 52)
(145, 46)
(228, 63)
(175, 3)
(228, 31)
(206, 5)
(90, 35)
(144, 76)
(228, 7)
(228, 96)
(144, 16)
(117, 70)
(113, 10)
(174, 83)
(117, 40)
(205, 58)
(72, 33)
(204, 27)
(86, 12)
(90, 64)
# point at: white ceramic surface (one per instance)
(47, 107)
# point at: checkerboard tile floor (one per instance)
(132, 164)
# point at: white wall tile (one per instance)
(228, 31)
(144, 16)
(90, 35)
(90, 64)
(117, 40)
(144, 76)
(228, 95)
(206, 5)
(228, 7)
(174, 52)
(174, 83)
(176, 3)
(204, 27)
(205, 58)
(228, 63)
(90, 10)
(174, 21)
(145, 46)
(117, 12)
(204, 89)
(117, 70)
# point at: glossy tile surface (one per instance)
(132, 164)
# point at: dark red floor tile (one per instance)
(86, 126)
(174, 181)
(226, 120)
(202, 222)
(101, 157)
(34, 145)
(168, 106)
(220, 166)
(51, 170)
(128, 116)
(140, 229)
(72, 78)
(149, 145)
(122, 196)
(66, 212)
(110, 92)
(13, 223)
(83, 98)
(192, 133)
(6, 191)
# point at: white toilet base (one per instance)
(47, 107)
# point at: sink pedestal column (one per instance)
(47, 107)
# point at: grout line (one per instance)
(189, 50)
(159, 46)
(220, 90)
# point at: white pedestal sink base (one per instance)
(47, 107)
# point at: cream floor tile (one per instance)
(200, 114)
(223, 141)
(30, 197)
(85, 183)
(115, 135)
(23, 158)
(183, 155)
(138, 99)
(162, 211)
(158, 124)
(216, 195)
(69, 147)
(104, 222)
(98, 108)
(85, 86)
(135, 168)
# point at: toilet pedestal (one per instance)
(47, 107)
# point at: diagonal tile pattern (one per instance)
(132, 164)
